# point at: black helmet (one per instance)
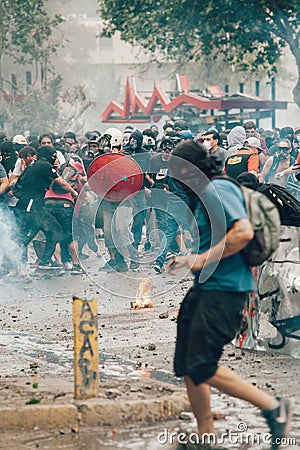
(180, 125)
(166, 145)
(92, 135)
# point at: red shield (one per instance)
(114, 177)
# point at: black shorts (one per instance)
(207, 321)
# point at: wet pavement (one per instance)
(111, 367)
(36, 330)
(237, 427)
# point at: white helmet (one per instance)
(19, 139)
(116, 136)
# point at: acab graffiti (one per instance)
(86, 349)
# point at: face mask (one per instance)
(207, 145)
(298, 137)
(133, 144)
(53, 159)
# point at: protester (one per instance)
(211, 140)
(274, 171)
(210, 313)
(9, 156)
(159, 208)
(250, 127)
(4, 183)
(236, 139)
(36, 179)
(136, 151)
(245, 159)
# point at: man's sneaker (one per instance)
(278, 420)
(56, 265)
(110, 266)
(77, 269)
(68, 265)
(171, 254)
(46, 266)
(158, 268)
(134, 265)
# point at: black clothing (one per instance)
(207, 321)
(37, 179)
(158, 170)
(237, 164)
(30, 211)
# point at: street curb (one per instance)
(94, 413)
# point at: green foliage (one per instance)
(249, 34)
(33, 401)
(26, 32)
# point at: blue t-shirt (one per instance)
(222, 204)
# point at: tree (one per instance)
(52, 109)
(251, 35)
(26, 34)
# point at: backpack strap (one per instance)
(273, 168)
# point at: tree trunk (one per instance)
(296, 91)
(1, 79)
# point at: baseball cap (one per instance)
(19, 139)
(186, 134)
(297, 130)
(70, 135)
(253, 141)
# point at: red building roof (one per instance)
(137, 109)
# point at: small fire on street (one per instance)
(143, 297)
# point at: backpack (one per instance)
(18, 189)
(287, 205)
(266, 224)
(68, 173)
(265, 220)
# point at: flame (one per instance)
(143, 298)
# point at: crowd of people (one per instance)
(44, 186)
(42, 176)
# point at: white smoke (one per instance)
(10, 251)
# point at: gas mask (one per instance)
(283, 152)
(91, 150)
(133, 144)
(166, 152)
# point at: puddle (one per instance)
(62, 357)
(138, 439)
(170, 435)
(30, 349)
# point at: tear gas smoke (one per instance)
(10, 251)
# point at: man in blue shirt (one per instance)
(210, 313)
